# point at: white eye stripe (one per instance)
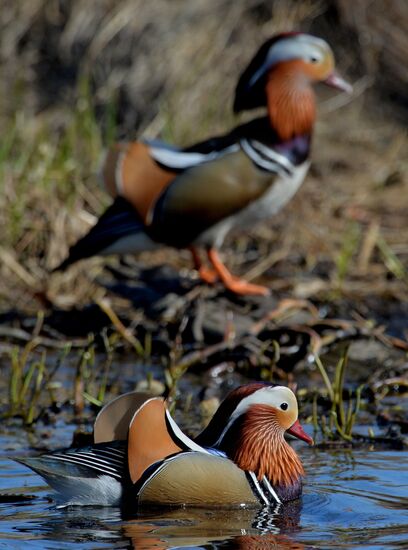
(273, 396)
(295, 47)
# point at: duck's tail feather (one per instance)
(119, 223)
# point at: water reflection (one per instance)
(353, 498)
(162, 529)
(241, 528)
(260, 542)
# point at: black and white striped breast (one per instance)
(267, 158)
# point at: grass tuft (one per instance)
(31, 377)
(339, 422)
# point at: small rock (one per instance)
(155, 387)
(307, 289)
(208, 408)
(366, 350)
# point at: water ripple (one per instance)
(351, 499)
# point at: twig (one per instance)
(119, 326)
(7, 258)
(262, 266)
(367, 248)
(391, 260)
(24, 336)
(284, 306)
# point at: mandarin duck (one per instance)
(141, 456)
(192, 197)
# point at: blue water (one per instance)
(352, 499)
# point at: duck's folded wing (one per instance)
(196, 479)
(206, 194)
(92, 461)
(91, 475)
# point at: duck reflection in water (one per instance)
(243, 528)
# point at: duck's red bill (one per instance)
(335, 81)
(297, 431)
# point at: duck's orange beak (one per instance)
(297, 431)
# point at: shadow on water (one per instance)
(352, 499)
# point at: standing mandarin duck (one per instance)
(192, 197)
(141, 456)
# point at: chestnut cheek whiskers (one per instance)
(262, 449)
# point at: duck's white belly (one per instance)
(270, 203)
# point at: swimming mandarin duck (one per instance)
(141, 456)
(193, 197)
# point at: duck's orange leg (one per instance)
(206, 274)
(234, 284)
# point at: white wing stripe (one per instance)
(117, 453)
(91, 460)
(89, 464)
(101, 459)
(112, 455)
(181, 159)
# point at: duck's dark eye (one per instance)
(284, 406)
(313, 60)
